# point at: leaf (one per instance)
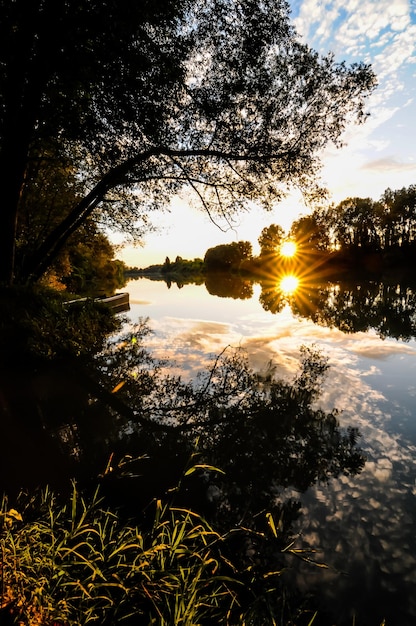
(204, 466)
(118, 387)
(15, 515)
(276, 573)
(271, 524)
(313, 618)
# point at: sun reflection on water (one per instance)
(289, 284)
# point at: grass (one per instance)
(76, 563)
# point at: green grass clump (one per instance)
(77, 563)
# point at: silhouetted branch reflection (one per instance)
(388, 308)
(129, 422)
(265, 434)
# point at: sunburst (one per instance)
(288, 249)
(289, 284)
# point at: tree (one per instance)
(149, 99)
(229, 286)
(385, 225)
(87, 259)
(227, 256)
(398, 217)
(355, 223)
(270, 239)
(93, 269)
(311, 231)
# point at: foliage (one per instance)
(182, 266)
(386, 226)
(78, 563)
(74, 561)
(36, 324)
(146, 100)
(87, 257)
(227, 256)
(311, 231)
(270, 239)
(94, 271)
(182, 271)
(398, 217)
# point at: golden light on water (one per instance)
(289, 284)
(288, 249)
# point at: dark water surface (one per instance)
(361, 526)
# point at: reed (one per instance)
(77, 563)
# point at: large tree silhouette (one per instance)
(148, 99)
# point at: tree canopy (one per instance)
(384, 225)
(218, 99)
(227, 256)
(270, 239)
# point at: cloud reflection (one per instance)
(361, 523)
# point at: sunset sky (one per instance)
(379, 154)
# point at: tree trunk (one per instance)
(37, 264)
(12, 168)
(7, 247)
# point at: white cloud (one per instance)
(323, 31)
(398, 52)
(376, 31)
(277, 339)
(363, 23)
(389, 164)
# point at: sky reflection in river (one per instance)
(364, 525)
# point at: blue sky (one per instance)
(377, 155)
(381, 153)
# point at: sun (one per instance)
(288, 249)
(289, 284)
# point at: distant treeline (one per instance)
(179, 271)
(380, 233)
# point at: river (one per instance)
(357, 524)
(362, 527)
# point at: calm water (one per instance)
(363, 527)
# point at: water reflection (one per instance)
(349, 304)
(227, 285)
(364, 524)
(302, 466)
(264, 433)
(289, 284)
(386, 307)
